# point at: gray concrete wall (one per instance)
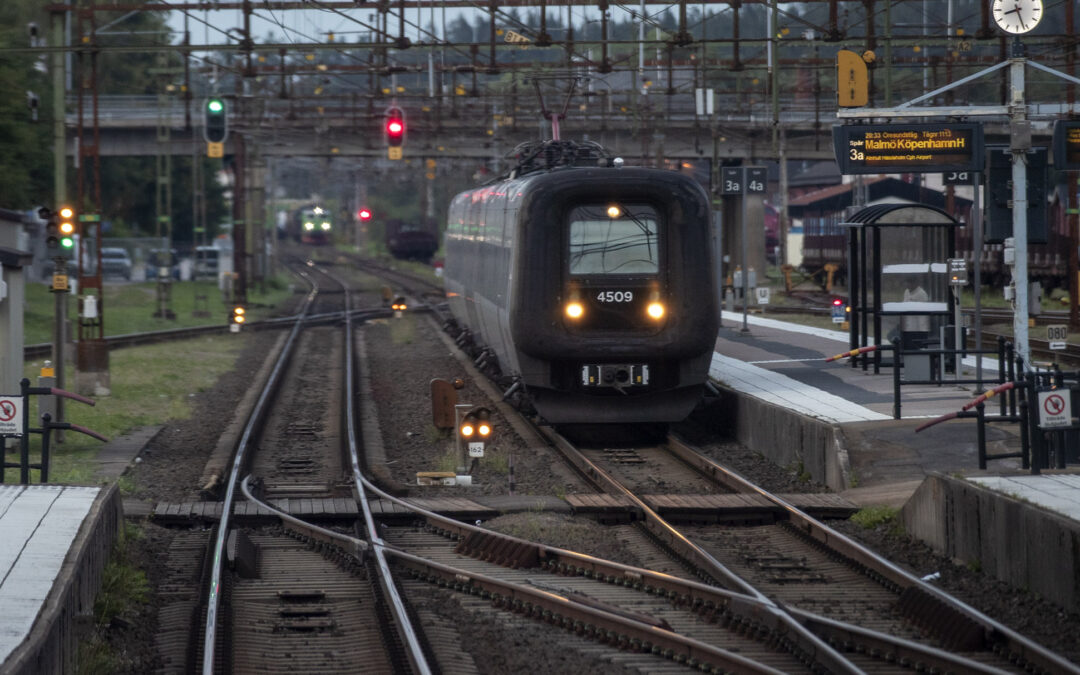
(786, 437)
(1016, 542)
(51, 647)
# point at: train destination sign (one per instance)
(908, 148)
(1067, 145)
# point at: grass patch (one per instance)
(150, 385)
(128, 307)
(124, 590)
(124, 587)
(496, 461)
(874, 516)
(96, 657)
(447, 461)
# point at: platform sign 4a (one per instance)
(11, 417)
(1057, 335)
(1055, 409)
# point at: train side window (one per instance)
(604, 244)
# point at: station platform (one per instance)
(56, 542)
(56, 539)
(784, 364)
(782, 399)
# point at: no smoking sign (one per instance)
(1055, 408)
(11, 416)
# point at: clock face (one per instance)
(1017, 16)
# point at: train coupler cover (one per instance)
(615, 375)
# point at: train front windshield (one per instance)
(614, 239)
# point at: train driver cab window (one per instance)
(614, 238)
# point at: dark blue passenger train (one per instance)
(590, 284)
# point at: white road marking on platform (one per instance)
(789, 360)
(836, 335)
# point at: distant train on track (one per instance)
(590, 284)
(411, 241)
(310, 224)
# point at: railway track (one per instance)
(797, 562)
(733, 599)
(281, 606)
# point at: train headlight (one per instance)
(309, 226)
(614, 211)
(655, 310)
(326, 226)
(575, 310)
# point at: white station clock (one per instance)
(1017, 16)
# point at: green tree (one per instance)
(25, 144)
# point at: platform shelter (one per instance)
(899, 281)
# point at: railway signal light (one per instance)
(395, 127)
(52, 227)
(66, 226)
(216, 128)
(239, 316)
(399, 304)
(364, 214)
(475, 427)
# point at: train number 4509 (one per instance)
(615, 296)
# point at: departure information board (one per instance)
(908, 148)
(1067, 145)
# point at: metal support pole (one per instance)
(1021, 142)
(24, 446)
(59, 78)
(956, 332)
(980, 433)
(462, 460)
(976, 248)
(60, 337)
(745, 259)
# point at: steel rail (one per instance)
(672, 537)
(240, 455)
(153, 337)
(414, 651)
(693, 595)
(532, 600)
(512, 550)
(843, 545)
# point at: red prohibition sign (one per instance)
(7, 411)
(1054, 404)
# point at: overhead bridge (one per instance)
(656, 126)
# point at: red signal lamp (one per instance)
(395, 127)
(364, 214)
